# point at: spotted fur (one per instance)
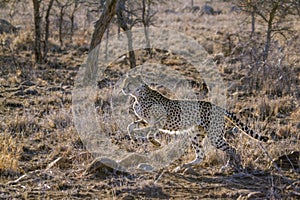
(199, 118)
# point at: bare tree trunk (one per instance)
(268, 41)
(72, 17)
(252, 23)
(132, 60)
(146, 31)
(103, 22)
(146, 24)
(106, 43)
(269, 31)
(61, 18)
(37, 29)
(100, 27)
(47, 21)
(125, 27)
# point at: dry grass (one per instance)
(10, 153)
(41, 150)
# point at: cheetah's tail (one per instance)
(231, 117)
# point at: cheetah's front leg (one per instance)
(234, 160)
(143, 133)
(136, 133)
(150, 131)
(157, 121)
(151, 137)
(133, 129)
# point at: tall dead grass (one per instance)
(9, 153)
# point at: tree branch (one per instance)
(103, 22)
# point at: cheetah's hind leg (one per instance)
(234, 161)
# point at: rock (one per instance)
(102, 167)
(208, 10)
(145, 167)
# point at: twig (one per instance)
(159, 176)
(275, 165)
(50, 165)
(17, 180)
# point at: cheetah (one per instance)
(199, 119)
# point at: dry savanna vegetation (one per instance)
(254, 45)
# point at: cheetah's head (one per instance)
(131, 83)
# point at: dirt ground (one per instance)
(42, 155)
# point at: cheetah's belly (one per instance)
(177, 132)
